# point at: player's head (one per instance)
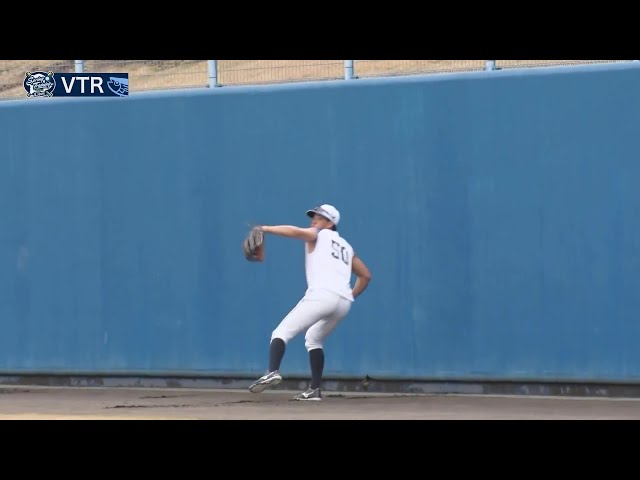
(324, 216)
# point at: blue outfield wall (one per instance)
(499, 213)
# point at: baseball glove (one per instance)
(253, 245)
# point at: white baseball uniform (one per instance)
(329, 295)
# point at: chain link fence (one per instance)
(247, 72)
(379, 68)
(174, 74)
(505, 64)
(154, 74)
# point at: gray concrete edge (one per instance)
(527, 388)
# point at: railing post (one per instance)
(79, 66)
(348, 69)
(212, 66)
(490, 65)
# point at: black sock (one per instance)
(276, 352)
(316, 359)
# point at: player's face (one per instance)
(318, 221)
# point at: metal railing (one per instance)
(181, 74)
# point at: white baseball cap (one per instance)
(327, 211)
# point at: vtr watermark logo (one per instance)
(48, 84)
(39, 84)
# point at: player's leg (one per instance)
(307, 312)
(314, 341)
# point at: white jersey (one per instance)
(328, 267)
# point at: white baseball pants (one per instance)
(319, 313)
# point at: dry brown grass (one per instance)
(170, 74)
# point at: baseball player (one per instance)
(329, 263)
